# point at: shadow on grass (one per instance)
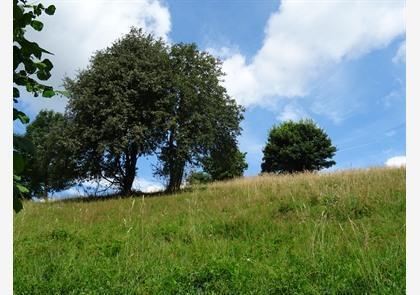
(134, 194)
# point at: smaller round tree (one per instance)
(50, 166)
(297, 146)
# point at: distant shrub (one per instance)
(198, 178)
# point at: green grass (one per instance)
(338, 233)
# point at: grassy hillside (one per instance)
(341, 233)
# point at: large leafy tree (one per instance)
(297, 146)
(30, 68)
(117, 108)
(50, 166)
(201, 111)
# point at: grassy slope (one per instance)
(341, 233)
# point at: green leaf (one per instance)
(40, 65)
(20, 80)
(37, 25)
(29, 87)
(62, 92)
(48, 64)
(17, 11)
(38, 9)
(20, 115)
(43, 75)
(45, 51)
(28, 48)
(18, 190)
(30, 67)
(16, 92)
(22, 189)
(48, 93)
(17, 204)
(17, 57)
(18, 163)
(50, 10)
(26, 19)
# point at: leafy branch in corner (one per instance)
(28, 63)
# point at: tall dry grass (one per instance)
(309, 233)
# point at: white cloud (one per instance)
(304, 39)
(79, 28)
(396, 161)
(140, 184)
(103, 186)
(399, 57)
(292, 112)
(223, 52)
(147, 186)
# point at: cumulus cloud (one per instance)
(303, 40)
(79, 28)
(147, 186)
(103, 186)
(140, 184)
(396, 161)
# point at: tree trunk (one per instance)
(46, 184)
(130, 171)
(176, 165)
(128, 180)
(176, 174)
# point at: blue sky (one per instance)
(341, 63)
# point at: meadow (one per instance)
(308, 233)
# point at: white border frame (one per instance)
(413, 147)
(6, 151)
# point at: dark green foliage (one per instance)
(201, 111)
(118, 106)
(225, 161)
(297, 146)
(138, 97)
(50, 166)
(27, 62)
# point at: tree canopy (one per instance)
(140, 96)
(118, 108)
(137, 97)
(50, 166)
(200, 112)
(297, 146)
